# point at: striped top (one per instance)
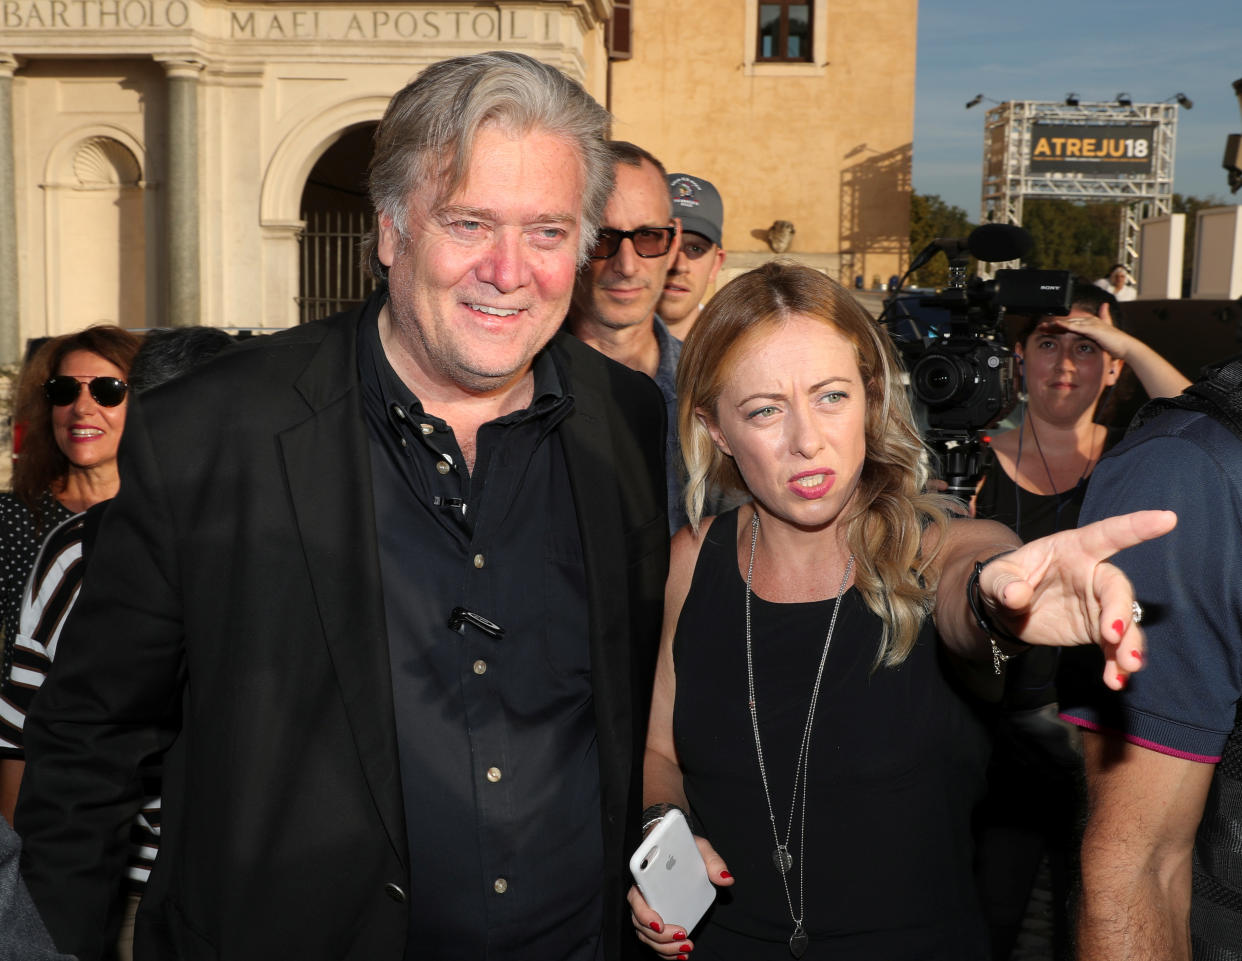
(51, 590)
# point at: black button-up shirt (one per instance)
(496, 735)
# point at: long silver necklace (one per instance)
(781, 858)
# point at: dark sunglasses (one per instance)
(65, 388)
(647, 241)
(694, 247)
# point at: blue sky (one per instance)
(1042, 49)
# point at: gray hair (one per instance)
(427, 134)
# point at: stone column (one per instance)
(10, 314)
(181, 194)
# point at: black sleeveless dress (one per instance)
(896, 763)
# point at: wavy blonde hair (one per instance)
(890, 511)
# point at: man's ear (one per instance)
(388, 241)
(1113, 372)
(717, 435)
(673, 250)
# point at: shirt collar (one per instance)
(382, 383)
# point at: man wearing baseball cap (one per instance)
(700, 258)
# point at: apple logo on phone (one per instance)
(668, 865)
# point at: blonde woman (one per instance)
(806, 713)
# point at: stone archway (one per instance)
(336, 211)
(280, 213)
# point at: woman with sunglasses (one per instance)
(71, 402)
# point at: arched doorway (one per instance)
(337, 214)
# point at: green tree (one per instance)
(932, 217)
(1079, 237)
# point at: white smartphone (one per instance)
(670, 873)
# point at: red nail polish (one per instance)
(682, 957)
(655, 927)
(1119, 626)
(1137, 655)
(685, 949)
(1122, 679)
(726, 875)
(679, 936)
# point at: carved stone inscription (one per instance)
(431, 24)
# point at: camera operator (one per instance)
(1034, 482)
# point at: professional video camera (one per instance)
(963, 378)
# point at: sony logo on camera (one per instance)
(1033, 291)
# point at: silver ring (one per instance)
(1136, 612)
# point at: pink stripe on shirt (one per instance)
(1143, 742)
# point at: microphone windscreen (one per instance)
(996, 243)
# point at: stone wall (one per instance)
(824, 144)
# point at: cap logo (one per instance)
(686, 192)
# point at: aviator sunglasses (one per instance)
(647, 241)
(64, 389)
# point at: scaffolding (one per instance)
(1012, 172)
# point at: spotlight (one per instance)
(974, 101)
(1123, 100)
(1071, 99)
(1184, 102)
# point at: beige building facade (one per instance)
(166, 162)
(824, 144)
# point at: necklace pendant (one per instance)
(798, 942)
(782, 859)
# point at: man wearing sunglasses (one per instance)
(384, 590)
(696, 202)
(614, 306)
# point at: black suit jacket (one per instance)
(231, 617)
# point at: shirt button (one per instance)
(426, 429)
(394, 891)
(480, 667)
(443, 467)
(478, 561)
(500, 885)
(493, 774)
(398, 411)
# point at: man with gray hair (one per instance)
(384, 590)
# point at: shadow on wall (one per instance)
(875, 213)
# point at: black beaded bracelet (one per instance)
(989, 627)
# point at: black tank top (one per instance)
(1027, 514)
(896, 763)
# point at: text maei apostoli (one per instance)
(428, 24)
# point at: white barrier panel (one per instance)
(1218, 254)
(1161, 244)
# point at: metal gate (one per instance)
(333, 276)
